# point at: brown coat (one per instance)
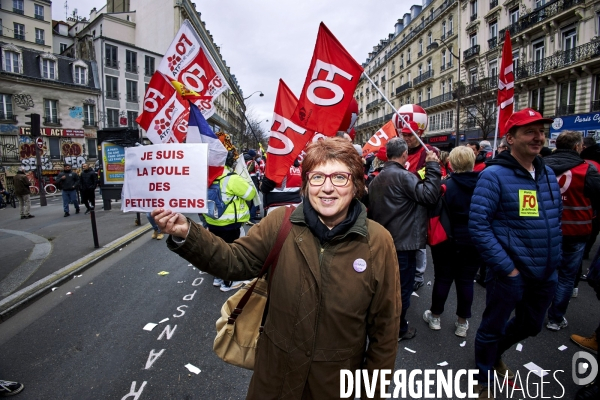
(21, 184)
(321, 310)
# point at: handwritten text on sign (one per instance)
(172, 176)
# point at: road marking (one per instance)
(19, 275)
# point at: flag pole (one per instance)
(396, 111)
(496, 132)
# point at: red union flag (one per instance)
(193, 71)
(287, 139)
(506, 86)
(165, 113)
(329, 86)
(380, 138)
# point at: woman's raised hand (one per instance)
(170, 222)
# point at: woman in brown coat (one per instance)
(336, 284)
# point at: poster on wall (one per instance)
(113, 157)
(588, 124)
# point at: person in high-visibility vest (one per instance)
(235, 191)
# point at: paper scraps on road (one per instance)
(463, 344)
(415, 294)
(77, 276)
(193, 369)
(536, 369)
(69, 293)
(407, 349)
(180, 281)
(164, 320)
(428, 283)
(149, 326)
(562, 348)
(163, 273)
(54, 288)
(519, 347)
(190, 265)
(443, 364)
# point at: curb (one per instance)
(11, 304)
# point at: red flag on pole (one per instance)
(506, 86)
(287, 139)
(329, 86)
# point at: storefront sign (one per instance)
(439, 139)
(588, 124)
(57, 132)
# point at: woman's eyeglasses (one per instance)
(337, 179)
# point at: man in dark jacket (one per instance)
(22, 192)
(68, 182)
(515, 224)
(579, 183)
(590, 152)
(89, 181)
(398, 200)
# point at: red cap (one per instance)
(413, 125)
(382, 154)
(525, 117)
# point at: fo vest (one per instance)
(577, 209)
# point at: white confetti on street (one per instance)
(149, 326)
(193, 369)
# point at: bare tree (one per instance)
(253, 133)
(478, 102)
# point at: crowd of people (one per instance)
(517, 223)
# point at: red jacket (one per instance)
(577, 208)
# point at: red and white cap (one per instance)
(525, 117)
(414, 113)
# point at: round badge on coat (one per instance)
(359, 265)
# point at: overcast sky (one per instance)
(263, 41)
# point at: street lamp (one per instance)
(258, 91)
(457, 86)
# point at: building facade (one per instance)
(64, 92)
(556, 61)
(27, 23)
(413, 65)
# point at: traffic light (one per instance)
(35, 124)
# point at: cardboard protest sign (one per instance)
(171, 176)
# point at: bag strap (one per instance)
(282, 234)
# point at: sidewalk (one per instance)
(36, 248)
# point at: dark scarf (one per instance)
(320, 230)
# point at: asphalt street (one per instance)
(86, 340)
(35, 248)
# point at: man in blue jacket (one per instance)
(515, 224)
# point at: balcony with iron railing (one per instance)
(51, 120)
(149, 71)
(565, 109)
(449, 65)
(9, 116)
(131, 67)
(442, 67)
(18, 11)
(493, 4)
(481, 86)
(38, 16)
(471, 52)
(473, 17)
(20, 37)
(431, 46)
(132, 98)
(111, 63)
(492, 43)
(444, 98)
(89, 122)
(403, 88)
(407, 62)
(112, 95)
(423, 78)
(374, 104)
(540, 14)
(40, 41)
(559, 60)
(595, 106)
(419, 54)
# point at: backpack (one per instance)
(216, 205)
